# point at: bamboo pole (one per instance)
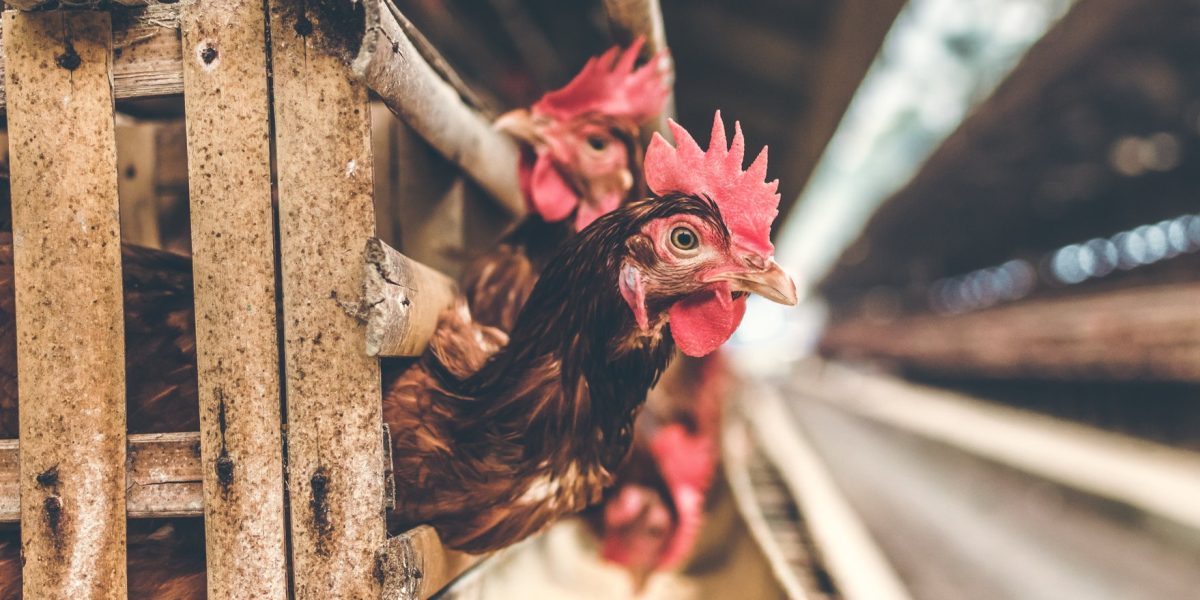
(401, 301)
(336, 461)
(146, 53)
(415, 565)
(233, 248)
(392, 67)
(1148, 333)
(70, 345)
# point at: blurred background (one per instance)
(992, 386)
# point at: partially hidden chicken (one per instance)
(580, 158)
(494, 439)
(651, 518)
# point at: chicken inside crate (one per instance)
(500, 425)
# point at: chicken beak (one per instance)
(771, 283)
(519, 124)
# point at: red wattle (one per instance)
(702, 322)
(552, 197)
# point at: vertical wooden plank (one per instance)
(335, 453)
(430, 211)
(233, 248)
(67, 262)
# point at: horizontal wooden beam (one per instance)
(401, 301)
(163, 477)
(77, 4)
(416, 566)
(390, 64)
(147, 56)
(1145, 333)
(1150, 477)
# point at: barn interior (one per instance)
(989, 388)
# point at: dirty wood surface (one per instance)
(402, 300)
(145, 53)
(70, 335)
(392, 67)
(415, 565)
(163, 477)
(233, 250)
(335, 453)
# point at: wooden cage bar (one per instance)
(336, 461)
(233, 250)
(392, 67)
(69, 311)
(630, 19)
(146, 59)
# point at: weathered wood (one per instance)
(415, 565)
(70, 333)
(392, 67)
(163, 477)
(77, 4)
(1149, 333)
(146, 53)
(335, 455)
(630, 19)
(233, 250)
(402, 299)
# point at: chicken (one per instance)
(580, 159)
(651, 518)
(505, 438)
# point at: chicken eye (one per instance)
(597, 143)
(684, 238)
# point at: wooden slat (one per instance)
(335, 453)
(70, 332)
(233, 248)
(136, 152)
(392, 67)
(163, 477)
(415, 565)
(146, 54)
(1148, 333)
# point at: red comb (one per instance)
(748, 204)
(608, 84)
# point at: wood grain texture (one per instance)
(389, 63)
(233, 249)
(402, 300)
(335, 454)
(1149, 333)
(146, 53)
(416, 566)
(70, 334)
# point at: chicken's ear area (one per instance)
(551, 196)
(700, 323)
(635, 294)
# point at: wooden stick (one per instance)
(70, 333)
(146, 58)
(393, 68)
(233, 248)
(163, 477)
(415, 565)
(336, 461)
(1148, 333)
(401, 301)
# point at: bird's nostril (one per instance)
(755, 261)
